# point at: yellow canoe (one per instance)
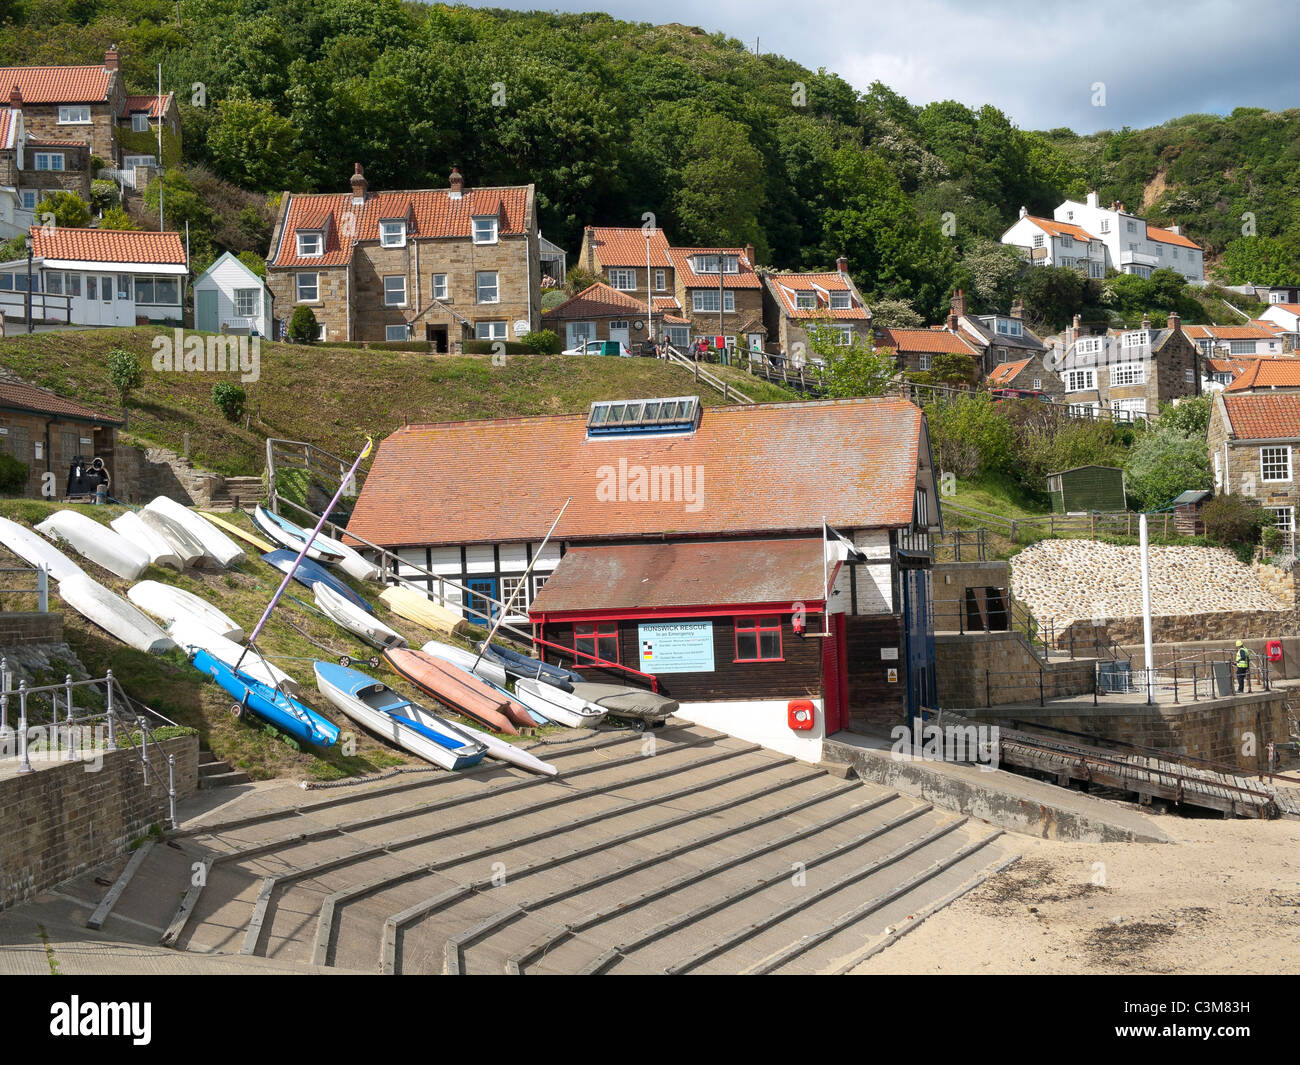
(414, 606)
(235, 530)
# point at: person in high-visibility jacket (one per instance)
(1242, 662)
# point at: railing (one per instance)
(68, 725)
(727, 389)
(920, 394)
(41, 589)
(46, 306)
(1162, 525)
(960, 545)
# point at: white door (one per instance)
(619, 331)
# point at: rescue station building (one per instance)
(736, 559)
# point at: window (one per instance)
(485, 282)
(310, 244)
(1067, 241)
(395, 290)
(661, 280)
(72, 284)
(1128, 373)
(1038, 240)
(623, 280)
(123, 286)
(1283, 517)
(392, 234)
(805, 300)
(1242, 347)
(1038, 384)
(1079, 380)
(489, 330)
(29, 200)
(679, 335)
(396, 332)
(1096, 268)
(440, 286)
(156, 290)
(308, 288)
(924, 362)
(1009, 326)
(1084, 410)
(1129, 408)
(539, 582)
(706, 299)
(247, 302)
(1088, 346)
(1002, 355)
(78, 115)
(1277, 297)
(49, 160)
(598, 639)
(485, 230)
(758, 639)
(840, 301)
(1132, 228)
(130, 162)
(708, 264)
(513, 587)
(1275, 463)
(1137, 339)
(844, 335)
(1189, 376)
(1105, 225)
(139, 122)
(92, 288)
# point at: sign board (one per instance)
(675, 647)
(892, 676)
(719, 342)
(521, 326)
(889, 654)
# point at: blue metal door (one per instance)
(918, 637)
(478, 609)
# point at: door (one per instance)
(205, 310)
(835, 678)
(482, 608)
(620, 332)
(918, 639)
(437, 336)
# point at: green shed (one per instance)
(1087, 488)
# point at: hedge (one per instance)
(489, 347)
(382, 345)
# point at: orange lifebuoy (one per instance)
(801, 714)
(1274, 650)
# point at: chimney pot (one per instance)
(1078, 323)
(1017, 309)
(456, 182)
(1146, 321)
(1023, 212)
(749, 254)
(842, 264)
(959, 303)
(358, 182)
(16, 98)
(1175, 322)
(112, 59)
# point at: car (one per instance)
(601, 347)
(1000, 394)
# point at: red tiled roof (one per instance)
(434, 216)
(766, 469)
(1168, 236)
(1267, 373)
(1228, 332)
(1231, 366)
(1290, 308)
(625, 246)
(666, 303)
(8, 128)
(654, 576)
(927, 340)
(108, 245)
(596, 301)
(56, 85)
(154, 104)
(1264, 417)
(1007, 371)
(25, 397)
(1060, 229)
(786, 287)
(681, 260)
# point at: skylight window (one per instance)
(674, 414)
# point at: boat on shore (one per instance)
(347, 615)
(234, 530)
(113, 614)
(418, 607)
(454, 687)
(96, 542)
(311, 573)
(642, 708)
(37, 552)
(518, 664)
(458, 656)
(161, 553)
(216, 544)
(292, 537)
(191, 633)
(269, 703)
(566, 708)
(186, 548)
(378, 708)
(168, 603)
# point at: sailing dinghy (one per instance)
(292, 537)
(269, 703)
(347, 615)
(559, 705)
(311, 573)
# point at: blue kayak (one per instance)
(310, 573)
(270, 704)
(522, 665)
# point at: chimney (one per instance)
(1176, 229)
(456, 183)
(749, 254)
(1023, 212)
(1175, 322)
(952, 319)
(1146, 320)
(1017, 309)
(959, 303)
(16, 99)
(358, 183)
(589, 243)
(1092, 199)
(842, 265)
(112, 61)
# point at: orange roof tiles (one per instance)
(625, 246)
(1061, 229)
(745, 278)
(596, 301)
(1007, 371)
(108, 245)
(8, 128)
(786, 288)
(1290, 308)
(434, 216)
(927, 340)
(155, 105)
(56, 85)
(25, 397)
(1264, 417)
(764, 469)
(1168, 236)
(1267, 373)
(1228, 332)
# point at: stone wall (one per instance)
(1234, 731)
(1217, 625)
(140, 474)
(949, 582)
(64, 818)
(1278, 582)
(998, 668)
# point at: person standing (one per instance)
(1242, 662)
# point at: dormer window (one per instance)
(392, 234)
(805, 300)
(139, 121)
(311, 243)
(486, 230)
(708, 264)
(1009, 327)
(841, 301)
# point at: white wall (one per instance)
(225, 277)
(764, 721)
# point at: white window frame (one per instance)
(130, 162)
(1088, 345)
(247, 302)
(493, 288)
(1039, 240)
(396, 332)
(661, 280)
(700, 296)
(1080, 380)
(1284, 518)
(923, 361)
(390, 293)
(622, 279)
(509, 585)
(490, 330)
(805, 301)
(441, 291)
(301, 284)
(392, 234)
(1270, 460)
(139, 121)
(1128, 373)
(1241, 347)
(841, 301)
(845, 335)
(491, 233)
(309, 239)
(72, 115)
(30, 199)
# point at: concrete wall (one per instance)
(950, 581)
(1013, 671)
(64, 818)
(764, 722)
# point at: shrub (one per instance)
(13, 475)
(115, 218)
(125, 372)
(542, 342)
(230, 400)
(1234, 521)
(1165, 463)
(303, 326)
(1272, 539)
(970, 435)
(488, 347)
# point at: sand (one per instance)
(1223, 898)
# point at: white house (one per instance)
(107, 277)
(1234, 339)
(1133, 246)
(230, 298)
(1046, 242)
(1284, 315)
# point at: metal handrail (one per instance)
(42, 589)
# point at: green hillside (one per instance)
(331, 397)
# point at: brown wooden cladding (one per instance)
(797, 676)
(872, 699)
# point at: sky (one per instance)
(1102, 64)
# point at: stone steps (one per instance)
(215, 773)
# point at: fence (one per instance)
(41, 589)
(53, 709)
(960, 545)
(920, 394)
(1161, 526)
(45, 306)
(727, 389)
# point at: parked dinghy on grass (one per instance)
(346, 614)
(381, 710)
(456, 688)
(129, 526)
(37, 552)
(458, 656)
(216, 544)
(169, 604)
(273, 706)
(518, 664)
(558, 705)
(310, 574)
(113, 614)
(242, 534)
(183, 545)
(189, 633)
(97, 542)
(418, 607)
(292, 537)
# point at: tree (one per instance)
(303, 326)
(895, 313)
(230, 400)
(253, 146)
(254, 262)
(854, 369)
(115, 218)
(126, 374)
(1260, 261)
(63, 208)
